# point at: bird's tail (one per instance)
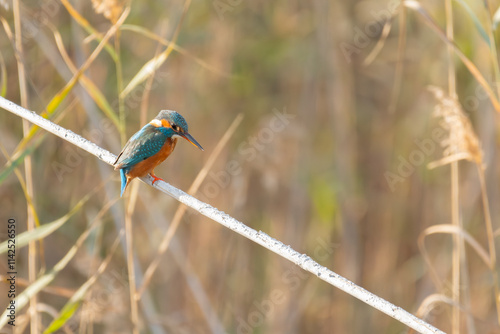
(124, 181)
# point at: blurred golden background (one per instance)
(331, 158)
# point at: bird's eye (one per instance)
(175, 127)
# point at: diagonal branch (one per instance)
(261, 238)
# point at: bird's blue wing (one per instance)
(145, 143)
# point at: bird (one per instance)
(150, 146)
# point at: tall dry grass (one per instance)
(318, 183)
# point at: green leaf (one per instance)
(88, 27)
(46, 229)
(475, 19)
(147, 70)
(16, 162)
(35, 287)
(149, 34)
(3, 88)
(66, 313)
(24, 297)
(76, 300)
(100, 100)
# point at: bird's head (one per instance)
(170, 119)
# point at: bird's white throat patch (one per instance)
(156, 123)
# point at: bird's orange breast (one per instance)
(144, 167)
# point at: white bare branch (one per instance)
(276, 246)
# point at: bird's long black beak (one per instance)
(190, 139)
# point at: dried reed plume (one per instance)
(111, 9)
(462, 143)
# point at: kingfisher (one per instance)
(150, 146)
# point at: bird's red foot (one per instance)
(156, 178)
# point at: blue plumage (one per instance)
(124, 180)
(152, 144)
(145, 143)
